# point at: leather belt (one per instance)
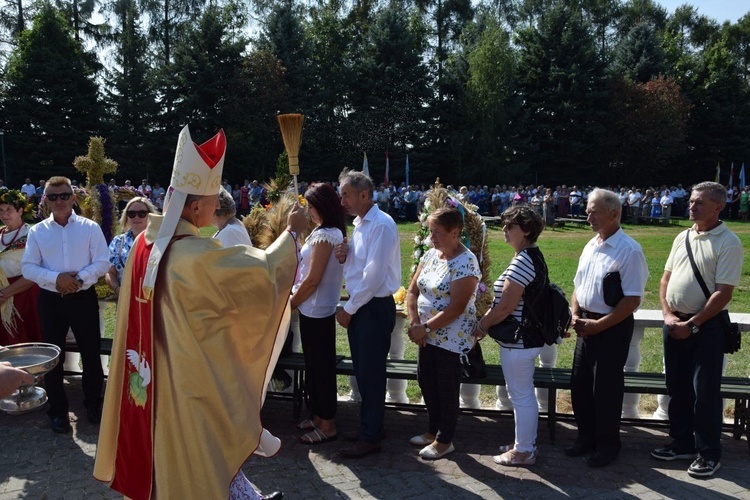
(591, 315)
(683, 316)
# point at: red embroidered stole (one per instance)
(134, 460)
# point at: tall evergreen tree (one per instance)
(50, 104)
(639, 57)
(131, 100)
(259, 96)
(204, 78)
(561, 77)
(327, 139)
(391, 85)
(491, 103)
(284, 37)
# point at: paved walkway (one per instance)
(38, 464)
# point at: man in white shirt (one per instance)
(666, 206)
(634, 203)
(575, 201)
(66, 255)
(29, 190)
(603, 323)
(372, 272)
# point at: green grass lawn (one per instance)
(561, 249)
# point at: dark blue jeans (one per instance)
(693, 374)
(370, 340)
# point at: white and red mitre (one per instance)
(197, 170)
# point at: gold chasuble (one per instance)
(190, 404)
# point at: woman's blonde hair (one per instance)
(124, 223)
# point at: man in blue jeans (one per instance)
(693, 335)
(372, 272)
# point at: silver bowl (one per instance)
(37, 359)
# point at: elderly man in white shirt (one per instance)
(372, 271)
(602, 304)
(66, 255)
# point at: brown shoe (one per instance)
(360, 449)
(353, 436)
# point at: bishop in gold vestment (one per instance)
(193, 349)
(217, 312)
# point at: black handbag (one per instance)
(472, 363)
(507, 331)
(732, 335)
(612, 288)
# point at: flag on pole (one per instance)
(365, 167)
(742, 177)
(407, 171)
(731, 175)
(387, 168)
(718, 172)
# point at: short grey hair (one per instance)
(607, 198)
(715, 191)
(226, 204)
(356, 179)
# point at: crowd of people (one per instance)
(184, 300)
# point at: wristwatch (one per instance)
(693, 327)
(79, 279)
(427, 329)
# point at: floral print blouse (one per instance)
(119, 248)
(434, 284)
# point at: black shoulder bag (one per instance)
(732, 335)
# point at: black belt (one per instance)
(74, 295)
(683, 316)
(591, 315)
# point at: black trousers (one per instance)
(439, 376)
(597, 385)
(318, 337)
(80, 313)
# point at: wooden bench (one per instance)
(561, 221)
(553, 379)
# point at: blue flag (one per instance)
(742, 177)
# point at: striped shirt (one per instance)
(520, 271)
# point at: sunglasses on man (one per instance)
(62, 196)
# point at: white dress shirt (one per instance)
(78, 247)
(29, 190)
(373, 264)
(620, 253)
(233, 234)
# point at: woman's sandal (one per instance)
(316, 437)
(306, 425)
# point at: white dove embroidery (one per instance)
(140, 364)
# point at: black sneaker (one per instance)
(670, 452)
(703, 468)
(60, 424)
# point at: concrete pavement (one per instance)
(35, 463)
